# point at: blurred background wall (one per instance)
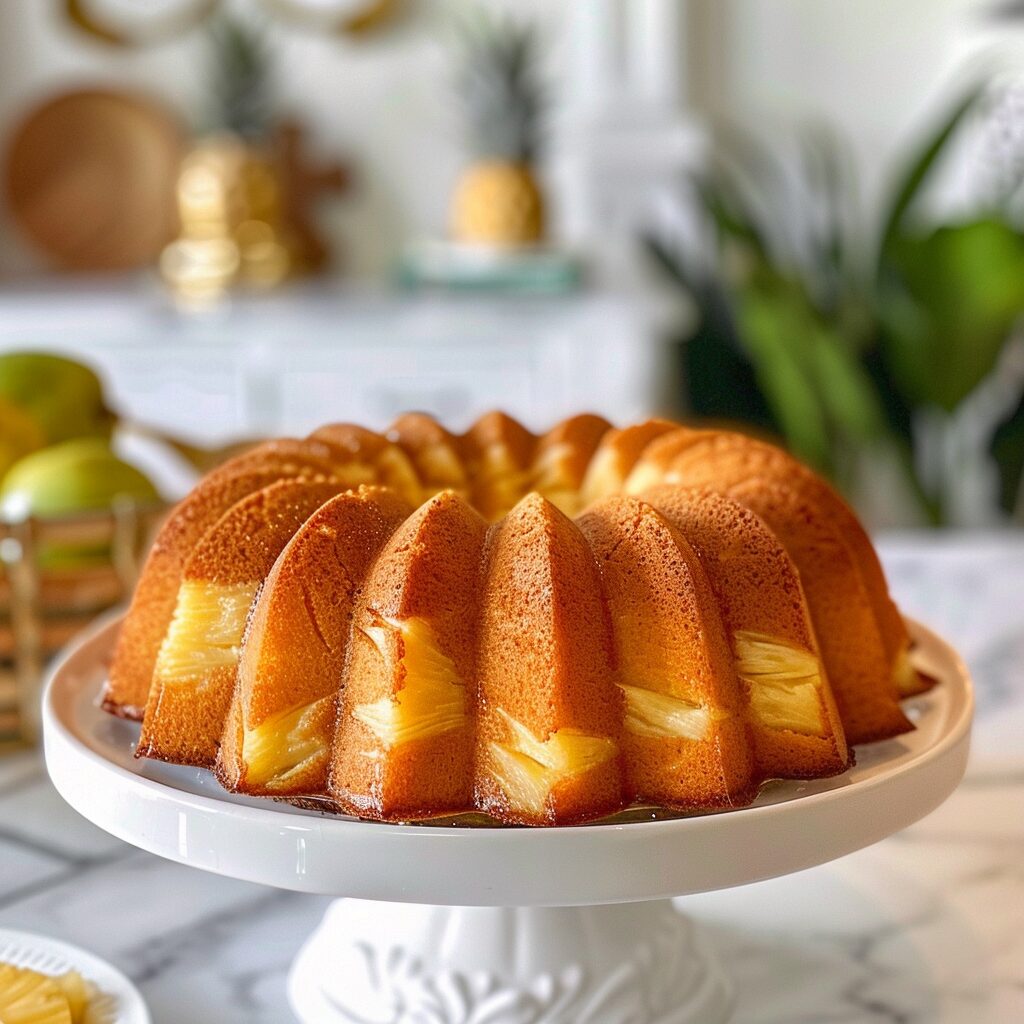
(384, 101)
(872, 66)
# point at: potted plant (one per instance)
(861, 348)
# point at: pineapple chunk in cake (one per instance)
(649, 713)
(287, 744)
(206, 631)
(785, 683)
(432, 699)
(527, 769)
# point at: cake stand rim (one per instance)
(61, 743)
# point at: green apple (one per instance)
(75, 476)
(19, 435)
(63, 398)
(67, 479)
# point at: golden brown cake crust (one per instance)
(152, 607)
(283, 453)
(427, 577)
(185, 715)
(544, 656)
(497, 452)
(663, 617)
(757, 588)
(715, 616)
(433, 450)
(844, 619)
(573, 442)
(738, 459)
(616, 455)
(297, 643)
(361, 456)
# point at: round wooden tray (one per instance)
(90, 178)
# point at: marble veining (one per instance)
(923, 928)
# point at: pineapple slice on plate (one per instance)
(27, 997)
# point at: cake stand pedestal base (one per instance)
(398, 963)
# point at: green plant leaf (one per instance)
(720, 381)
(717, 374)
(824, 168)
(915, 175)
(847, 391)
(949, 308)
(1007, 450)
(899, 414)
(775, 324)
(732, 216)
(672, 264)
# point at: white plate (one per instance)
(182, 814)
(117, 1001)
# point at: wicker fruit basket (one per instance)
(56, 576)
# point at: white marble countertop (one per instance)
(925, 927)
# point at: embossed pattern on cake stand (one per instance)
(501, 926)
(372, 962)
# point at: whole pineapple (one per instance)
(498, 200)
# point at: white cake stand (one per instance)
(501, 926)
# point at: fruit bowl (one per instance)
(115, 1000)
(57, 573)
(501, 924)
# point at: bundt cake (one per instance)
(543, 629)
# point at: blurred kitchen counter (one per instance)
(923, 927)
(288, 360)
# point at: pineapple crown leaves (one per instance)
(240, 77)
(500, 85)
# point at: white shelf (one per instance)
(287, 361)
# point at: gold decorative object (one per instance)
(232, 228)
(245, 214)
(244, 194)
(127, 23)
(348, 17)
